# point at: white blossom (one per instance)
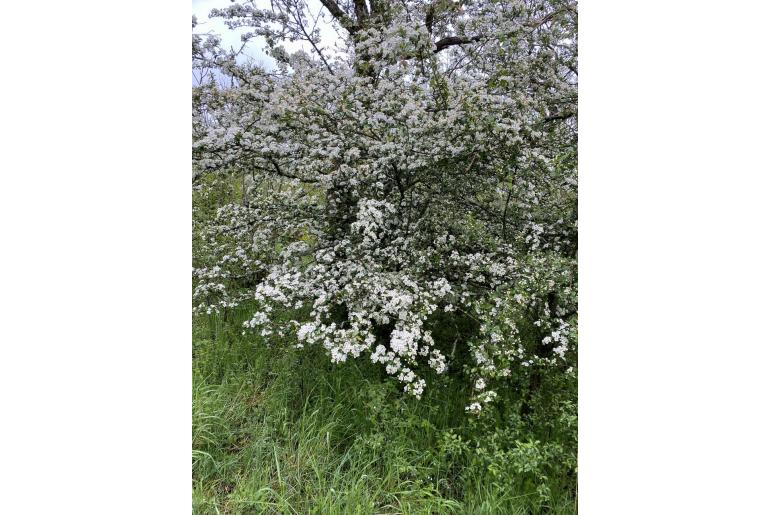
(380, 193)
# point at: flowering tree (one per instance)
(419, 178)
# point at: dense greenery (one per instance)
(385, 259)
(276, 430)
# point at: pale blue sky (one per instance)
(231, 38)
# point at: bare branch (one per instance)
(297, 14)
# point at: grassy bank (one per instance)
(278, 430)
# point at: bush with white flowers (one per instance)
(422, 175)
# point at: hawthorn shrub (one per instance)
(405, 195)
(385, 256)
(384, 259)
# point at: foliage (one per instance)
(398, 215)
(279, 430)
(420, 179)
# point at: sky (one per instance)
(231, 38)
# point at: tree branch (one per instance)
(362, 12)
(339, 15)
(448, 41)
(298, 20)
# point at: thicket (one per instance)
(384, 252)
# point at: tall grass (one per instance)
(277, 430)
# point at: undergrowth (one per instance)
(280, 430)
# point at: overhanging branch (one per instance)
(448, 41)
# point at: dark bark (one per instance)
(448, 41)
(339, 15)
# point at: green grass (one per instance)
(276, 430)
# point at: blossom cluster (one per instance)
(370, 200)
